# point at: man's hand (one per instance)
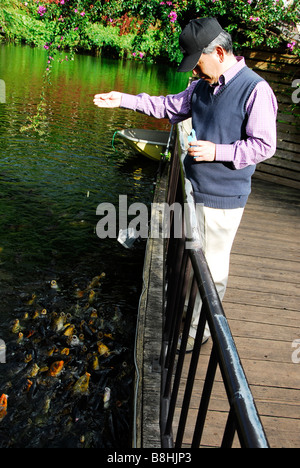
(108, 100)
(202, 151)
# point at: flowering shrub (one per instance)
(252, 23)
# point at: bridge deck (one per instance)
(262, 306)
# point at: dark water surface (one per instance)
(51, 260)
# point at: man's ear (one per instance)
(220, 53)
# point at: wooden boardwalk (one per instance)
(262, 306)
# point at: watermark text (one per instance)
(2, 352)
(155, 224)
(296, 353)
(296, 93)
(2, 92)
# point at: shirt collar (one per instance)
(232, 71)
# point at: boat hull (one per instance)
(150, 143)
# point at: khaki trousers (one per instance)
(218, 229)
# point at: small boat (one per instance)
(150, 143)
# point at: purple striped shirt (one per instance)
(261, 125)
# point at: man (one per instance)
(233, 114)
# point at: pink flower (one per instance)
(134, 54)
(173, 16)
(46, 47)
(141, 55)
(291, 45)
(75, 11)
(169, 3)
(42, 10)
(82, 13)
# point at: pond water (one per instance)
(57, 278)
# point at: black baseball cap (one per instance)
(197, 35)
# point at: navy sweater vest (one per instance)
(221, 118)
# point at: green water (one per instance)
(50, 188)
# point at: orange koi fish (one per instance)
(56, 368)
(3, 406)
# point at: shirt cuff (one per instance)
(225, 153)
(128, 101)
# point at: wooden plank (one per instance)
(273, 57)
(260, 286)
(280, 172)
(277, 180)
(272, 401)
(288, 128)
(283, 154)
(261, 315)
(293, 147)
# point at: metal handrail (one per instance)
(185, 256)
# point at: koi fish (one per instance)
(82, 384)
(20, 338)
(34, 371)
(56, 368)
(106, 397)
(3, 406)
(31, 301)
(59, 322)
(102, 349)
(16, 328)
(53, 284)
(79, 293)
(95, 363)
(92, 296)
(96, 281)
(69, 330)
(29, 385)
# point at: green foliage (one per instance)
(19, 27)
(138, 29)
(254, 23)
(146, 30)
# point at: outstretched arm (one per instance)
(175, 107)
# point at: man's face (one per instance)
(208, 68)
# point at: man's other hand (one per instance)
(202, 150)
